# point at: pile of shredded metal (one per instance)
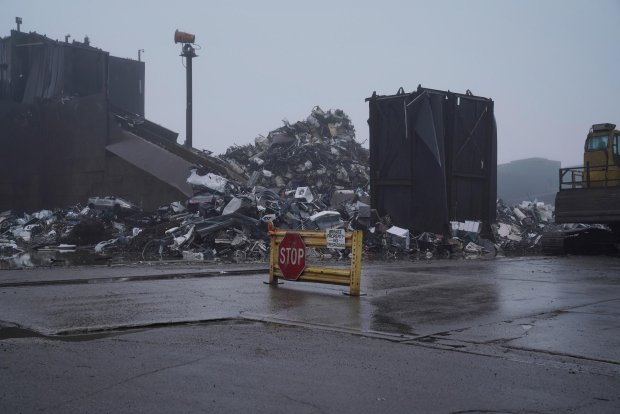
(311, 175)
(229, 228)
(320, 152)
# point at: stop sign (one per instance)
(292, 256)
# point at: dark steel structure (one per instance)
(126, 84)
(72, 126)
(433, 158)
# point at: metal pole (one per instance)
(188, 53)
(188, 115)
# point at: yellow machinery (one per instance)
(601, 158)
(590, 194)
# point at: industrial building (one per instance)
(72, 126)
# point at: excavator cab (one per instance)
(601, 158)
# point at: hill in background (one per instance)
(528, 179)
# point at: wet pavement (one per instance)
(551, 322)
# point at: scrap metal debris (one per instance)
(232, 227)
(309, 175)
(319, 153)
(519, 228)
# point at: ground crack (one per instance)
(125, 381)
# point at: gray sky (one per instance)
(552, 67)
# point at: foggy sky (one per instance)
(552, 67)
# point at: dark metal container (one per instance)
(433, 158)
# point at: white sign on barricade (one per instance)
(335, 238)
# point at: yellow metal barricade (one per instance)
(346, 276)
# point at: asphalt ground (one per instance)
(502, 335)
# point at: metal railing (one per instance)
(589, 176)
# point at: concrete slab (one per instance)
(269, 368)
(587, 335)
(518, 302)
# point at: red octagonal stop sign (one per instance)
(292, 256)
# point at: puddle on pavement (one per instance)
(16, 332)
(427, 339)
(385, 323)
(13, 332)
(405, 309)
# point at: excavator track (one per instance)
(580, 241)
(553, 243)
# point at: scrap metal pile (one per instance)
(225, 223)
(519, 228)
(308, 175)
(320, 152)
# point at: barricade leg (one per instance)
(273, 256)
(356, 263)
